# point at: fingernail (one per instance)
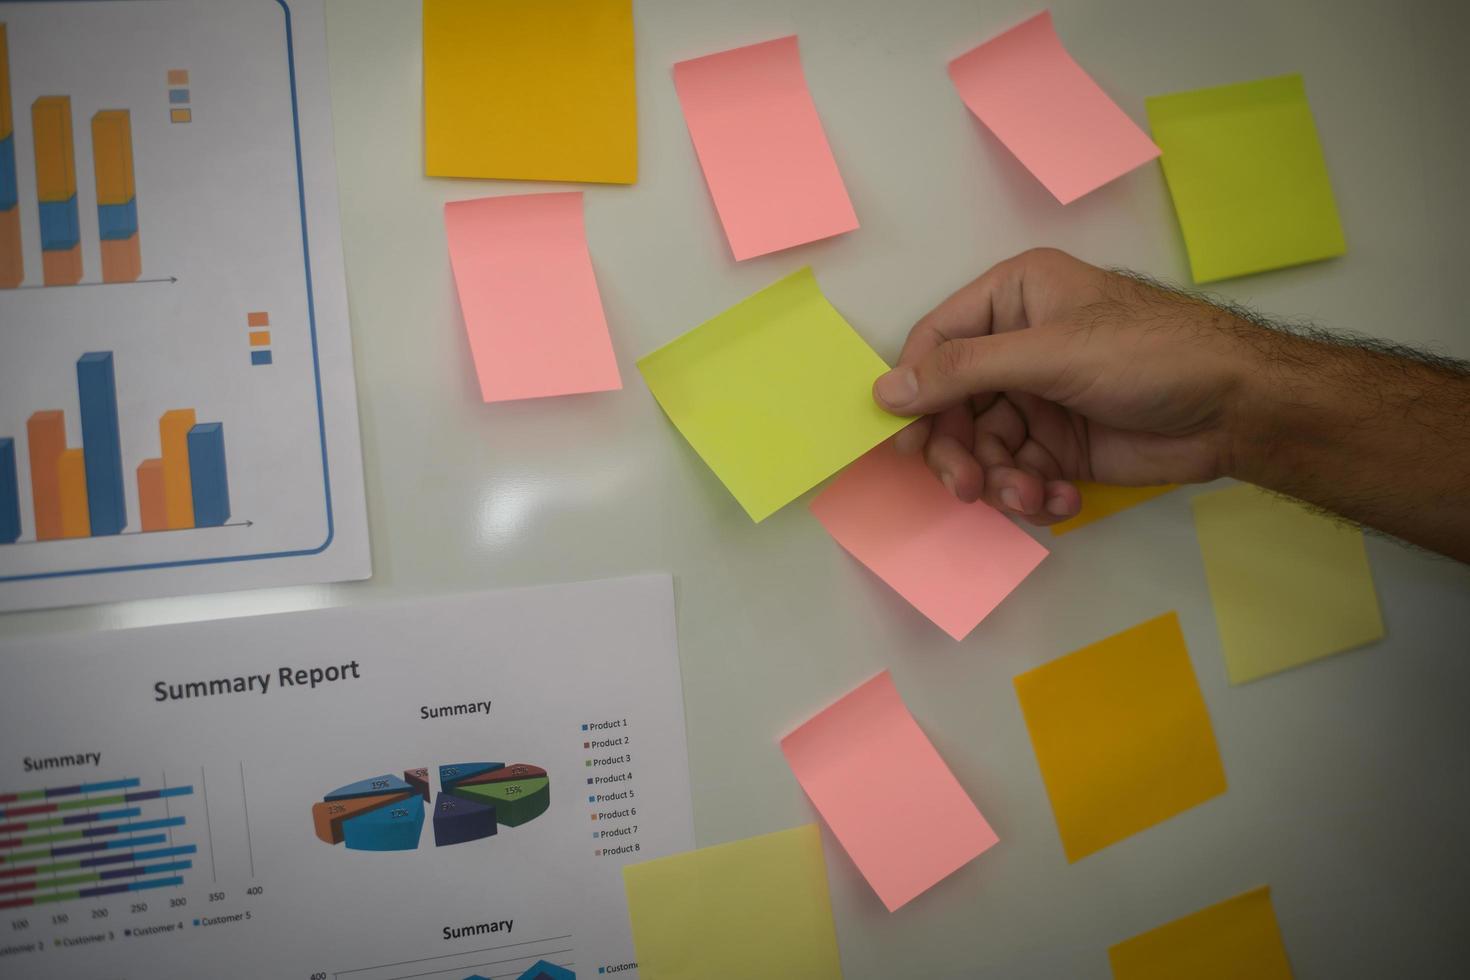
(1057, 506)
(1011, 497)
(897, 388)
(948, 482)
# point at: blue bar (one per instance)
(109, 845)
(138, 855)
(132, 886)
(159, 794)
(60, 226)
(131, 828)
(131, 811)
(99, 787)
(9, 493)
(117, 222)
(97, 386)
(138, 872)
(207, 471)
(8, 192)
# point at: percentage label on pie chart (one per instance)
(475, 799)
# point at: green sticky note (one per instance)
(1247, 175)
(775, 394)
(1289, 586)
(752, 908)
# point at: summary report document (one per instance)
(439, 789)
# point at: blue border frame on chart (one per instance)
(315, 368)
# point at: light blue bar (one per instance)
(176, 791)
(166, 852)
(138, 886)
(178, 96)
(135, 841)
(110, 784)
(101, 446)
(171, 866)
(161, 822)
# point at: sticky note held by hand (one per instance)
(1121, 735)
(775, 394)
(1029, 92)
(1248, 177)
(910, 840)
(751, 908)
(761, 145)
(529, 296)
(530, 91)
(953, 561)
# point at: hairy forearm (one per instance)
(1376, 433)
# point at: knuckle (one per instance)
(954, 359)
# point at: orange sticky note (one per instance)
(1027, 90)
(1238, 937)
(764, 153)
(914, 832)
(1101, 500)
(529, 296)
(953, 561)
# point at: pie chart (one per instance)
(474, 800)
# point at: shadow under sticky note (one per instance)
(752, 908)
(1121, 735)
(529, 296)
(953, 561)
(1248, 178)
(775, 394)
(918, 835)
(761, 145)
(1238, 938)
(1101, 500)
(1029, 92)
(1288, 585)
(530, 91)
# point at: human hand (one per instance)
(1047, 370)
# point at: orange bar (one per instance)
(178, 485)
(260, 338)
(178, 76)
(12, 267)
(151, 499)
(71, 477)
(7, 122)
(56, 169)
(46, 433)
(121, 260)
(112, 156)
(62, 268)
(257, 319)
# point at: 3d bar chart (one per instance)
(88, 840)
(12, 266)
(78, 491)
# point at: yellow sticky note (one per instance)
(1247, 175)
(530, 90)
(1288, 585)
(1101, 500)
(1236, 939)
(753, 908)
(775, 394)
(1121, 734)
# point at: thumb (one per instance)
(1020, 360)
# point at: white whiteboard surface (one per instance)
(1348, 778)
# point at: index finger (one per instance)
(982, 306)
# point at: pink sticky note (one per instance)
(764, 154)
(1027, 89)
(953, 561)
(529, 297)
(887, 795)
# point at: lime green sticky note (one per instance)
(1247, 176)
(752, 908)
(1288, 585)
(775, 394)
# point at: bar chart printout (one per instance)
(117, 202)
(78, 492)
(89, 840)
